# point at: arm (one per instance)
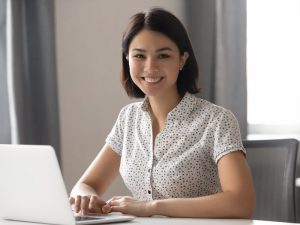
(236, 201)
(94, 182)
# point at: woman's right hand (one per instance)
(87, 204)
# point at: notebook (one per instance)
(32, 188)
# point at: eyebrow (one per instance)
(158, 50)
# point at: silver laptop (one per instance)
(32, 188)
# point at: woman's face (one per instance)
(155, 62)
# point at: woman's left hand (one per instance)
(129, 205)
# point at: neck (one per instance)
(162, 105)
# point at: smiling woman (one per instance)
(179, 155)
(155, 63)
(168, 43)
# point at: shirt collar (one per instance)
(184, 107)
(181, 111)
(145, 105)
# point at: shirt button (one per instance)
(149, 192)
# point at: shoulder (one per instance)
(211, 110)
(131, 109)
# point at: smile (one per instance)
(152, 79)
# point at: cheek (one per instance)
(135, 69)
(173, 69)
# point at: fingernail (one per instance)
(104, 209)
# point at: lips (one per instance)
(152, 79)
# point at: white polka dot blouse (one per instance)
(182, 162)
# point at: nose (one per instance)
(150, 65)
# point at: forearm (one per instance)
(221, 205)
(103, 170)
(83, 190)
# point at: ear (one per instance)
(183, 59)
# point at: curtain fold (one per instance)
(32, 73)
(200, 16)
(5, 137)
(230, 73)
(218, 32)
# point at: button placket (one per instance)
(150, 164)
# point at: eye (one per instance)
(163, 56)
(139, 56)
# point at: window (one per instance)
(273, 68)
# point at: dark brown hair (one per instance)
(160, 20)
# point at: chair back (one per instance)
(273, 167)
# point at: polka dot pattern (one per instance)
(182, 163)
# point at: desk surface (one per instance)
(176, 221)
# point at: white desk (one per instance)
(176, 221)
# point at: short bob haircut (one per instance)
(160, 20)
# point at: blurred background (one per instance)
(60, 62)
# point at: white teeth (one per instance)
(152, 79)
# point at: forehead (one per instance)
(151, 40)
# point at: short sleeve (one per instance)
(116, 135)
(227, 136)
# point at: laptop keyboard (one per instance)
(85, 218)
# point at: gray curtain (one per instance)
(5, 137)
(218, 32)
(32, 74)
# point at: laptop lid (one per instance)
(32, 187)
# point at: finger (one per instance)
(96, 204)
(120, 209)
(85, 200)
(72, 200)
(93, 203)
(114, 198)
(128, 198)
(114, 203)
(77, 203)
(106, 209)
(100, 201)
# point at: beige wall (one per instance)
(88, 39)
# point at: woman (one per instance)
(179, 155)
